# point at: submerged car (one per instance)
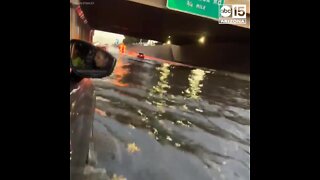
(86, 61)
(141, 56)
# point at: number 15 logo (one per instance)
(239, 11)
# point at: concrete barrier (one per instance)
(233, 57)
(159, 51)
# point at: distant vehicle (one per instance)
(141, 56)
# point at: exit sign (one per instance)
(204, 8)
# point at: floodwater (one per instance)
(158, 121)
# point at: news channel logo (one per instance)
(232, 14)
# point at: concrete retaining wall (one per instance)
(162, 52)
(234, 57)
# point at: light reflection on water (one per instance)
(186, 123)
(162, 86)
(195, 83)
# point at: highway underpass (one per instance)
(226, 47)
(159, 120)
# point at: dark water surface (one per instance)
(157, 121)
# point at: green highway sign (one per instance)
(204, 8)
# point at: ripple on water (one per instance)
(185, 123)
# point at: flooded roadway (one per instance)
(157, 121)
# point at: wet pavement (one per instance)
(160, 121)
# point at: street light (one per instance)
(168, 42)
(201, 39)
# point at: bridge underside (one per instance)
(155, 22)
